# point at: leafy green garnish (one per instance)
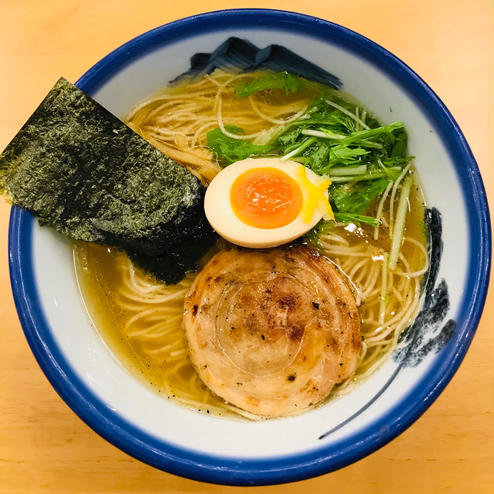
(345, 155)
(228, 149)
(334, 133)
(384, 132)
(279, 80)
(356, 198)
(356, 218)
(317, 155)
(321, 228)
(400, 144)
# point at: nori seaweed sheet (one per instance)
(78, 168)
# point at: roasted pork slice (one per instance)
(272, 331)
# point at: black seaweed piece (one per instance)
(78, 168)
(172, 267)
(240, 54)
(428, 333)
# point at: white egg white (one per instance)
(224, 221)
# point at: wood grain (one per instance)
(45, 448)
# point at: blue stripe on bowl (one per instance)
(272, 470)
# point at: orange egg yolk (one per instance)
(266, 198)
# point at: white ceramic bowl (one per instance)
(103, 393)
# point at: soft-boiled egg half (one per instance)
(266, 202)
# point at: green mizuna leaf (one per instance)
(376, 133)
(356, 198)
(280, 80)
(356, 218)
(321, 228)
(228, 149)
(317, 156)
(341, 154)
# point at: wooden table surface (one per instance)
(45, 448)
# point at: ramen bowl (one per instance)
(119, 407)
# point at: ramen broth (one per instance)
(102, 271)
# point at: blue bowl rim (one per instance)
(273, 470)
